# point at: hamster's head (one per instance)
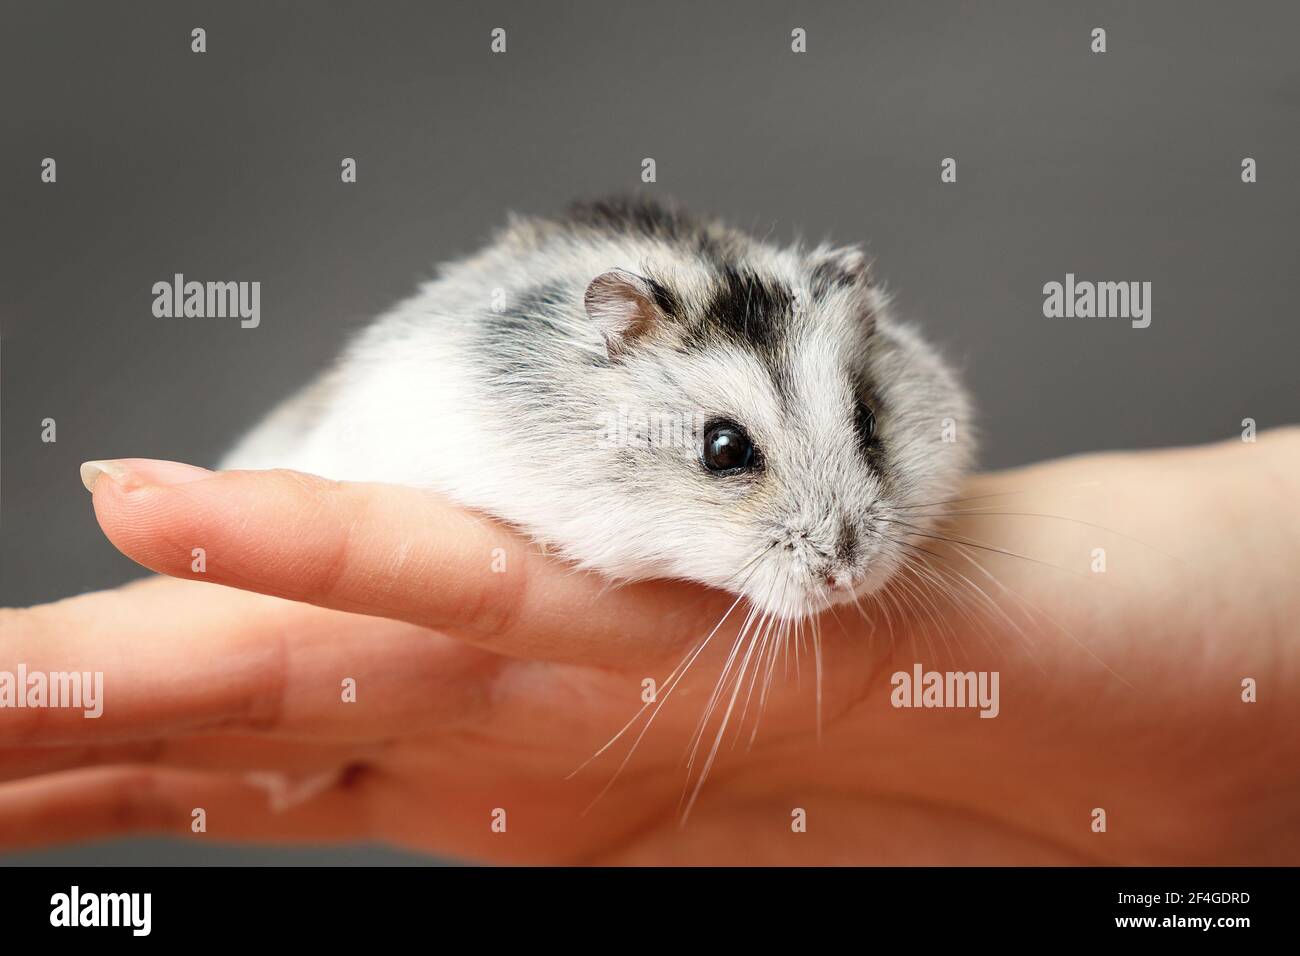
(780, 435)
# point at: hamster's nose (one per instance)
(839, 576)
(839, 581)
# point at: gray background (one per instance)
(1122, 166)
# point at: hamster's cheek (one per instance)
(719, 556)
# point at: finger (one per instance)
(390, 551)
(169, 658)
(129, 801)
(223, 754)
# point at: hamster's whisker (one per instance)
(670, 684)
(680, 670)
(1051, 620)
(768, 656)
(785, 650)
(676, 675)
(777, 648)
(914, 546)
(941, 581)
(963, 541)
(1002, 494)
(954, 586)
(753, 625)
(862, 612)
(729, 582)
(925, 603)
(902, 608)
(880, 601)
(817, 663)
(1027, 643)
(878, 598)
(755, 614)
(792, 650)
(908, 614)
(984, 513)
(913, 604)
(1029, 609)
(722, 726)
(986, 599)
(936, 572)
(762, 637)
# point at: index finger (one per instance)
(388, 551)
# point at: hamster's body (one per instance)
(509, 382)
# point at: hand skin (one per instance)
(479, 690)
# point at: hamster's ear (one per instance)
(840, 268)
(623, 306)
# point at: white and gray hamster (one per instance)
(651, 396)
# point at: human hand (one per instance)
(485, 674)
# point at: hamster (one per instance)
(651, 395)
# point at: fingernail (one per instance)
(91, 470)
(134, 472)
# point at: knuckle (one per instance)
(496, 605)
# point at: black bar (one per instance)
(436, 905)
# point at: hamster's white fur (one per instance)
(497, 386)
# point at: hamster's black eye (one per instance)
(727, 448)
(866, 424)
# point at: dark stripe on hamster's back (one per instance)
(665, 298)
(750, 310)
(828, 275)
(753, 313)
(743, 308)
(635, 215)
